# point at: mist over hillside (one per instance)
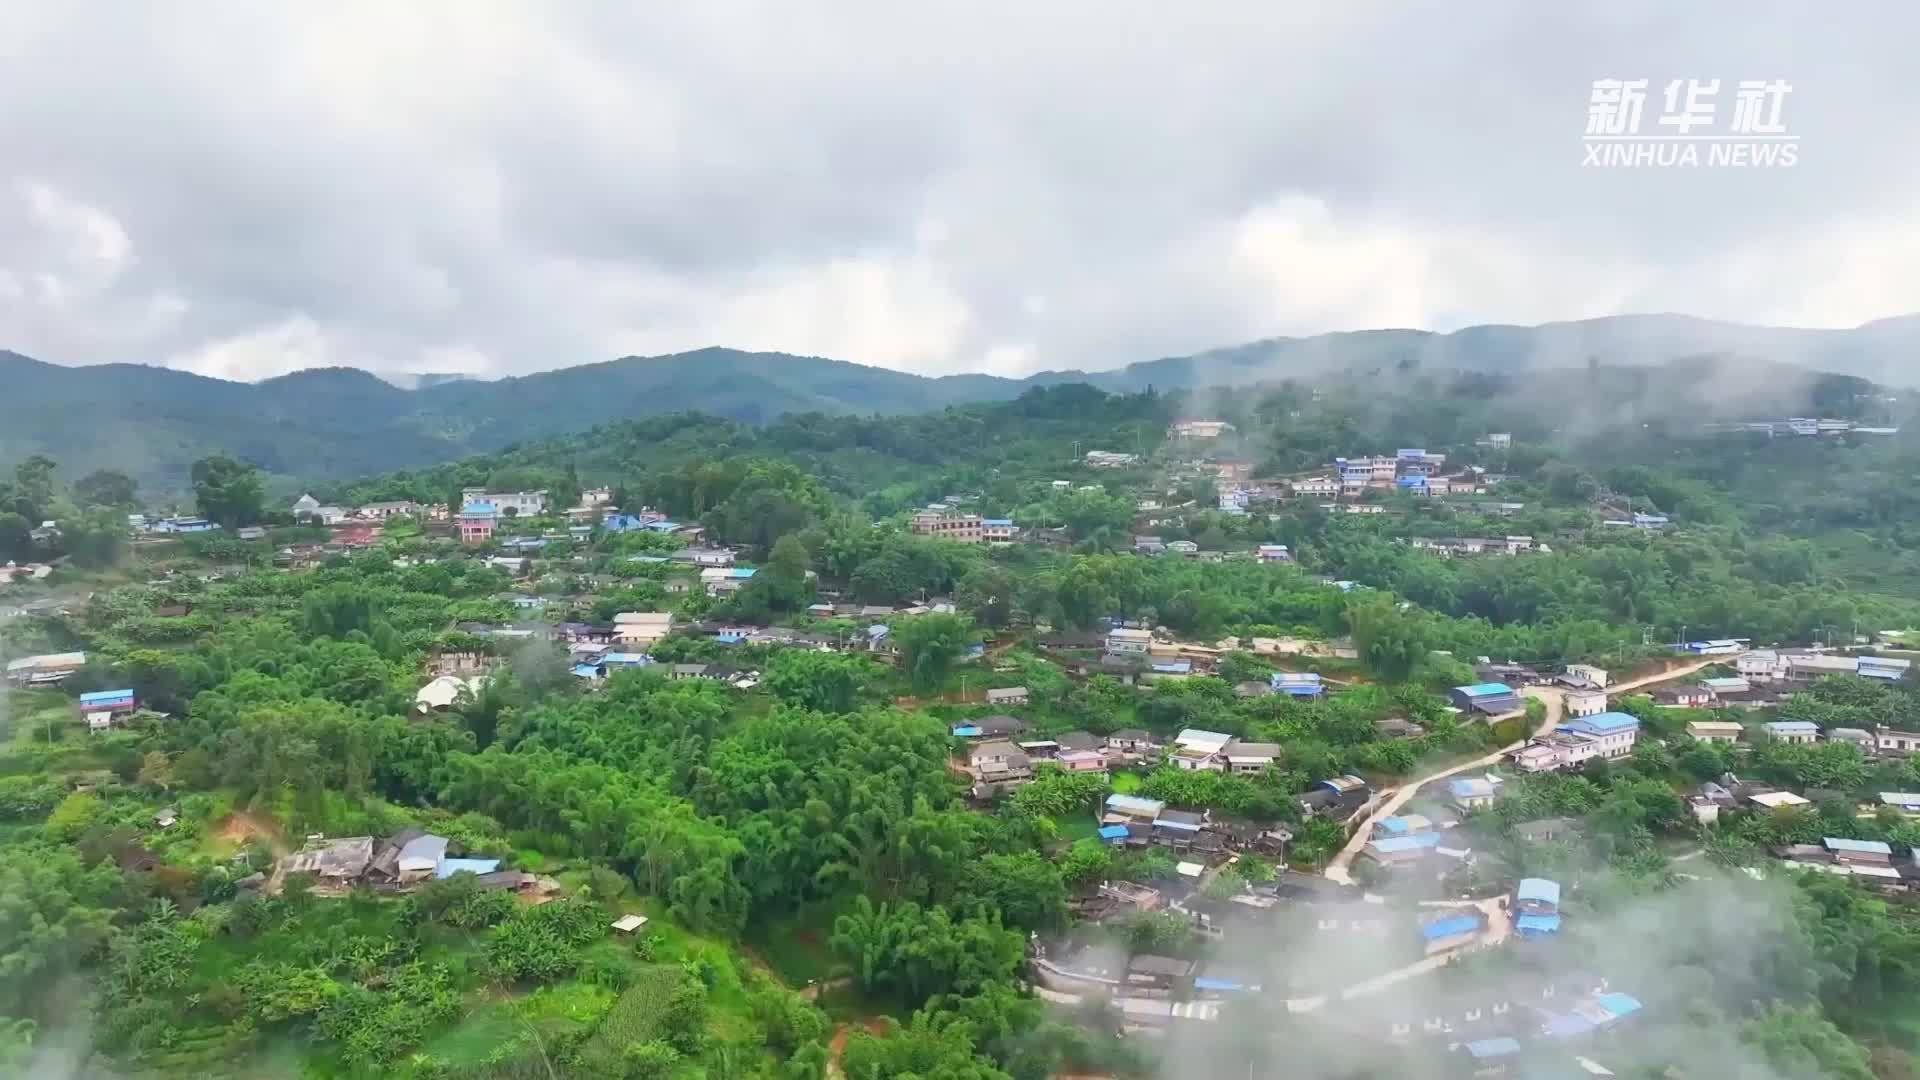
(340, 422)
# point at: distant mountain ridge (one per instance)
(342, 422)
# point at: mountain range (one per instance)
(154, 422)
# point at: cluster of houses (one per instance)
(399, 863)
(1881, 741)
(1765, 666)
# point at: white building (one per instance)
(1129, 643)
(1606, 735)
(522, 503)
(1595, 675)
(1582, 703)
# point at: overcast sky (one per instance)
(248, 189)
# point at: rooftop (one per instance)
(1485, 689)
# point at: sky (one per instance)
(496, 188)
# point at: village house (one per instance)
(1148, 545)
(1859, 738)
(508, 503)
(1589, 674)
(1471, 793)
(948, 523)
(1489, 698)
(102, 707)
(1388, 851)
(641, 629)
(1131, 741)
(1607, 735)
(477, 521)
(1760, 666)
(998, 762)
(47, 669)
(1720, 731)
(1081, 761)
(1320, 487)
(1536, 906)
(1731, 687)
(1585, 702)
(725, 580)
(1197, 749)
(1302, 684)
(1889, 741)
(381, 511)
(1793, 731)
(1128, 644)
(1198, 429)
(1011, 695)
(704, 557)
(1683, 696)
(1245, 758)
(1273, 553)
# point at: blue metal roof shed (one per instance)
(1485, 689)
(1617, 1005)
(1536, 925)
(1113, 832)
(1606, 723)
(1482, 1049)
(1451, 926)
(1538, 891)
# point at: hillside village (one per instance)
(1176, 791)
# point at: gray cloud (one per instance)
(509, 187)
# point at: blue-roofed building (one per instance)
(1394, 850)
(1617, 1005)
(996, 530)
(1113, 834)
(624, 660)
(1471, 792)
(1301, 684)
(621, 523)
(449, 867)
(101, 706)
(1858, 852)
(1539, 896)
(1606, 723)
(662, 526)
(1404, 825)
(1488, 699)
(965, 731)
(1173, 667)
(1452, 931)
(1536, 926)
(586, 671)
(1492, 1049)
(106, 700)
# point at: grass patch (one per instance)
(1126, 783)
(1077, 828)
(795, 947)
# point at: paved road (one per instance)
(1339, 867)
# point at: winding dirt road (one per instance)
(1339, 867)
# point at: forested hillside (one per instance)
(777, 843)
(315, 426)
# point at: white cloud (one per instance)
(934, 187)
